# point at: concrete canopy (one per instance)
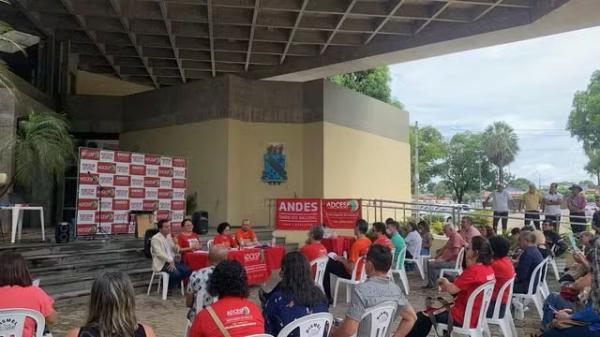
(167, 42)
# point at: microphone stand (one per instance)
(99, 192)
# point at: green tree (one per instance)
(593, 165)
(432, 149)
(462, 165)
(520, 183)
(373, 82)
(584, 119)
(500, 144)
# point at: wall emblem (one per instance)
(274, 165)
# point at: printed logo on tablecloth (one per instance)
(166, 161)
(137, 158)
(177, 205)
(163, 215)
(178, 183)
(105, 192)
(252, 257)
(86, 166)
(179, 172)
(91, 154)
(151, 159)
(151, 182)
(87, 191)
(165, 193)
(122, 169)
(179, 162)
(164, 205)
(150, 205)
(122, 181)
(166, 182)
(87, 204)
(165, 171)
(137, 181)
(120, 205)
(88, 179)
(104, 216)
(106, 204)
(107, 167)
(107, 155)
(178, 194)
(136, 204)
(152, 171)
(123, 157)
(137, 170)
(151, 193)
(135, 193)
(106, 180)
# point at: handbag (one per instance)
(217, 321)
(565, 324)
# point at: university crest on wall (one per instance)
(274, 165)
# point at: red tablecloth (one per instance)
(273, 256)
(339, 244)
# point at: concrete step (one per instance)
(61, 284)
(38, 261)
(91, 265)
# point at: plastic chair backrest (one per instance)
(13, 320)
(261, 335)
(209, 244)
(310, 325)
(418, 250)
(536, 277)
(459, 259)
(486, 289)
(507, 286)
(381, 317)
(401, 256)
(360, 263)
(321, 264)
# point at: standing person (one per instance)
(551, 205)
(576, 204)
(188, 240)
(295, 296)
(596, 217)
(245, 236)
(197, 296)
(467, 230)
(500, 199)
(426, 237)
(530, 202)
(111, 311)
(314, 249)
(18, 291)
(445, 257)
(164, 249)
(233, 313)
(380, 235)
(223, 238)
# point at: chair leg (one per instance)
(506, 331)
(150, 285)
(538, 302)
(348, 293)
(182, 291)
(511, 323)
(420, 268)
(165, 286)
(335, 293)
(555, 268)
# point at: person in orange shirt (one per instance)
(314, 249)
(224, 237)
(342, 267)
(379, 229)
(245, 236)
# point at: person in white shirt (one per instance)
(413, 241)
(551, 205)
(500, 199)
(164, 250)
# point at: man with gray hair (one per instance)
(500, 199)
(445, 257)
(197, 296)
(528, 260)
(314, 249)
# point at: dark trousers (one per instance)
(181, 271)
(578, 222)
(336, 268)
(556, 219)
(497, 217)
(532, 215)
(423, 324)
(579, 331)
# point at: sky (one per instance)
(528, 84)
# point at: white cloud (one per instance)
(528, 84)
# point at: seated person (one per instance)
(188, 240)
(554, 242)
(588, 316)
(238, 315)
(295, 296)
(245, 236)
(378, 288)
(467, 230)
(585, 239)
(528, 260)
(487, 231)
(164, 249)
(397, 240)
(342, 267)
(540, 240)
(478, 272)
(445, 257)
(17, 291)
(413, 240)
(313, 249)
(223, 237)
(503, 271)
(426, 237)
(197, 296)
(380, 233)
(514, 239)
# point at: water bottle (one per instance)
(273, 241)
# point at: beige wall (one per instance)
(97, 84)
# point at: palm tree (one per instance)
(500, 144)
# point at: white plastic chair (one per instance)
(310, 325)
(209, 244)
(321, 264)
(533, 295)
(544, 289)
(506, 324)
(418, 261)
(380, 317)
(553, 262)
(261, 335)
(163, 278)
(14, 320)
(351, 282)
(457, 267)
(481, 327)
(398, 268)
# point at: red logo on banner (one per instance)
(137, 192)
(298, 214)
(88, 178)
(178, 162)
(151, 182)
(161, 215)
(165, 171)
(120, 205)
(107, 168)
(92, 154)
(177, 204)
(165, 193)
(87, 204)
(104, 216)
(341, 213)
(123, 157)
(106, 192)
(150, 205)
(138, 170)
(178, 183)
(122, 181)
(151, 160)
(120, 228)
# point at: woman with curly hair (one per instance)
(233, 314)
(295, 296)
(224, 237)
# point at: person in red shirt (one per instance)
(313, 249)
(239, 316)
(504, 270)
(478, 272)
(245, 236)
(188, 240)
(224, 237)
(379, 229)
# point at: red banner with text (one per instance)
(341, 213)
(297, 214)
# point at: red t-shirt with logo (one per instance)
(239, 316)
(313, 251)
(471, 278)
(184, 240)
(224, 240)
(504, 271)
